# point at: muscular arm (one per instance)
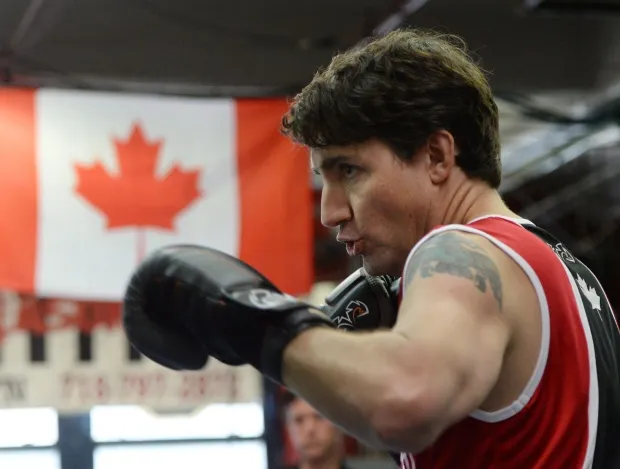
(400, 389)
(453, 307)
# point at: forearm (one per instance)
(348, 377)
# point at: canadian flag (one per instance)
(91, 182)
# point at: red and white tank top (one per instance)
(568, 415)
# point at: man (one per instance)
(317, 442)
(505, 351)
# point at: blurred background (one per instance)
(86, 86)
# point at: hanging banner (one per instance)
(74, 355)
(92, 182)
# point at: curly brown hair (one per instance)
(400, 88)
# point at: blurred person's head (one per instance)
(315, 439)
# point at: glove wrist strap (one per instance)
(279, 336)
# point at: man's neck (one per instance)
(471, 201)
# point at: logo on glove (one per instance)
(354, 310)
(264, 299)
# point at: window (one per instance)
(30, 459)
(133, 423)
(28, 427)
(238, 455)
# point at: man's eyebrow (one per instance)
(329, 162)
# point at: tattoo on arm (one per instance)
(454, 254)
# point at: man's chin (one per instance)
(315, 454)
(371, 267)
(375, 267)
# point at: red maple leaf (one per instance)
(135, 196)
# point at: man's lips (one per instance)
(354, 248)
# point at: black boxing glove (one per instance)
(185, 304)
(362, 301)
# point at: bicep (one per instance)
(452, 313)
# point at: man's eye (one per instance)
(347, 170)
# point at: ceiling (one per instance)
(567, 64)
(246, 47)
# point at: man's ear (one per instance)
(441, 155)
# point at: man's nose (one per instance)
(335, 208)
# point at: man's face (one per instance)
(379, 203)
(314, 437)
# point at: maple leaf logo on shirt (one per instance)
(589, 293)
(136, 197)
